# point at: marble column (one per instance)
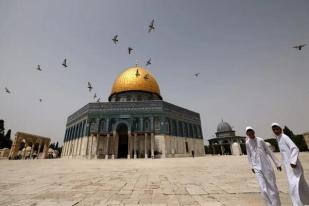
(90, 146)
(45, 150)
(152, 145)
(134, 145)
(39, 149)
(96, 146)
(114, 147)
(106, 149)
(129, 145)
(146, 152)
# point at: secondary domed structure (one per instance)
(135, 84)
(226, 142)
(134, 123)
(224, 127)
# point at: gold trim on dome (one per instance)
(135, 79)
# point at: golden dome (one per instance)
(135, 79)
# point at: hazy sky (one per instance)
(250, 75)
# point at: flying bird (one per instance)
(130, 50)
(89, 86)
(65, 63)
(299, 47)
(137, 73)
(148, 62)
(115, 40)
(39, 68)
(40, 100)
(151, 26)
(98, 100)
(197, 74)
(95, 95)
(7, 90)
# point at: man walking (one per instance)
(257, 152)
(298, 188)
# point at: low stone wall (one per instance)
(173, 146)
(4, 153)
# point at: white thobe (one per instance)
(257, 152)
(298, 188)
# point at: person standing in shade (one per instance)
(298, 187)
(257, 153)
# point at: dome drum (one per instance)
(133, 80)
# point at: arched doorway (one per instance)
(122, 132)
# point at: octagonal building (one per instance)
(134, 123)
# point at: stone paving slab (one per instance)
(206, 181)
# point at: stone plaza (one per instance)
(208, 180)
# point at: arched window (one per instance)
(136, 125)
(180, 129)
(194, 131)
(190, 130)
(185, 131)
(174, 128)
(157, 124)
(83, 128)
(167, 126)
(199, 131)
(102, 125)
(146, 124)
(79, 129)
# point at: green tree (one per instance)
(274, 143)
(288, 132)
(5, 140)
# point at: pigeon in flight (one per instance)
(148, 62)
(146, 76)
(299, 47)
(151, 26)
(65, 63)
(38, 68)
(98, 100)
(130, 50)
(115, 40)
(40, 100)
(89, 86)
(95, 95)
(7, 90)
(197, 74)
(137, 73)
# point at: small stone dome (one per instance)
(224, 127)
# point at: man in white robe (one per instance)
(298, 188)
(257, 152)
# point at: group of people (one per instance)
(258, 152)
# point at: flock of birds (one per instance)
(115, 39)
(151, 27)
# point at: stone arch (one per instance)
(157, 124)
(136, 124)
(180, 129)
(185, 129)
(102, 125)
(190, 130)
(119, 123)
(146, 125)
(167, 126)
(173, 128)
(122, 130)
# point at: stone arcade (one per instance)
(135, 123)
